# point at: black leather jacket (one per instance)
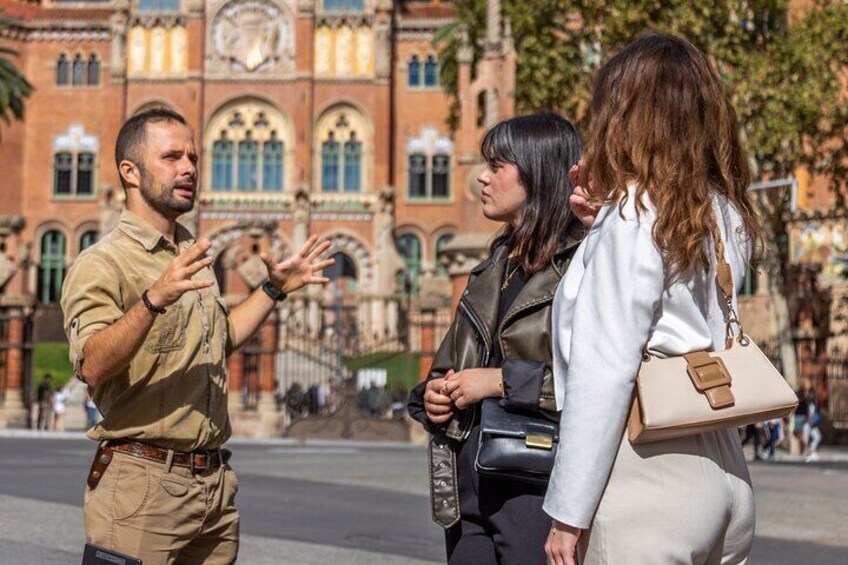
(525, 341)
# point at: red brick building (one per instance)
(311, 116)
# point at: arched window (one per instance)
(330, 164)
(344, 5)
(409, 247)
(51, 271)
(414, 71)
(222, 164)
(74, 163)
(62, 173)
(343, 269)
(78, 75)
(431, 71)
(429, 166)
(62, 71)
(248, 149)
(85, 174)
(248, 165)
(272, 165)
(352, 164)
(88, 239)
(418, 176)
(341, 142)
(441, 176)
(93, 70)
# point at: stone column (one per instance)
(13, 403)
(378, 319)
(267, 373)
(392, 318)
(314, 317)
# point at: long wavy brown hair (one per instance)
(662, 120)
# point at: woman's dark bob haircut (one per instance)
(543, 147)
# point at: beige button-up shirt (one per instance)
(174, 393)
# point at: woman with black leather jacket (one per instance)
(499, 344)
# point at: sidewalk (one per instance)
(269, 441)
(826, 453)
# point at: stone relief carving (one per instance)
(383, 50)
(389, 262)
(118, 57)
(251, 36)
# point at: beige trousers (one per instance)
(686, 501)
(142, 509)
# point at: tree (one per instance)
(784, 69)
(14, 87)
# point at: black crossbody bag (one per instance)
(516, 445)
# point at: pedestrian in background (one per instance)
(91, 413)
(665, 158)
(60, 408)
(149, 333)
(499, 345)
(44, 397)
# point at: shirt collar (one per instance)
(148, 236)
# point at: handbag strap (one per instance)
(724, 281)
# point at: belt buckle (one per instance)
(191, 466)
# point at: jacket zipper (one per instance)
(478, 327)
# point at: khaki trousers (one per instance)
(686, 501)
(164, 516)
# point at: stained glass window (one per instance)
(330, 165)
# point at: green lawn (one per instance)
(52, 357)
(401, 367)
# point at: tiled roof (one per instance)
(64, 14)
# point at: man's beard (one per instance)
(163, 200)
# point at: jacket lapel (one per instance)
(483, 291)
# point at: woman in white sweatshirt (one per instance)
(665, 159)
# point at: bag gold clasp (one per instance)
(539, 441)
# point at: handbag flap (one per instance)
(497, 420)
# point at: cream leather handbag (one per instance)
(700, 392)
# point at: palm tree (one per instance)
(14, 87)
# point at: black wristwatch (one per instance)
(274, 292)
(150, 306)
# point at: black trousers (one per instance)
(501, 521)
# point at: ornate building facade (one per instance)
(311, 116)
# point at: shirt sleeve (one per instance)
(91, 301)
(618, 296)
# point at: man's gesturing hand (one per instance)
(299, 270)
(177, 278)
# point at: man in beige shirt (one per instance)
(149, 333)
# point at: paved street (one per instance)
(354, 504)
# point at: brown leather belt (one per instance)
(198, 461)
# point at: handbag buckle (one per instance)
(710, 377)
(539, 441)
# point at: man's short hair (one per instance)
(132, 134)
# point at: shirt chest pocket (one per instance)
(168, 332)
